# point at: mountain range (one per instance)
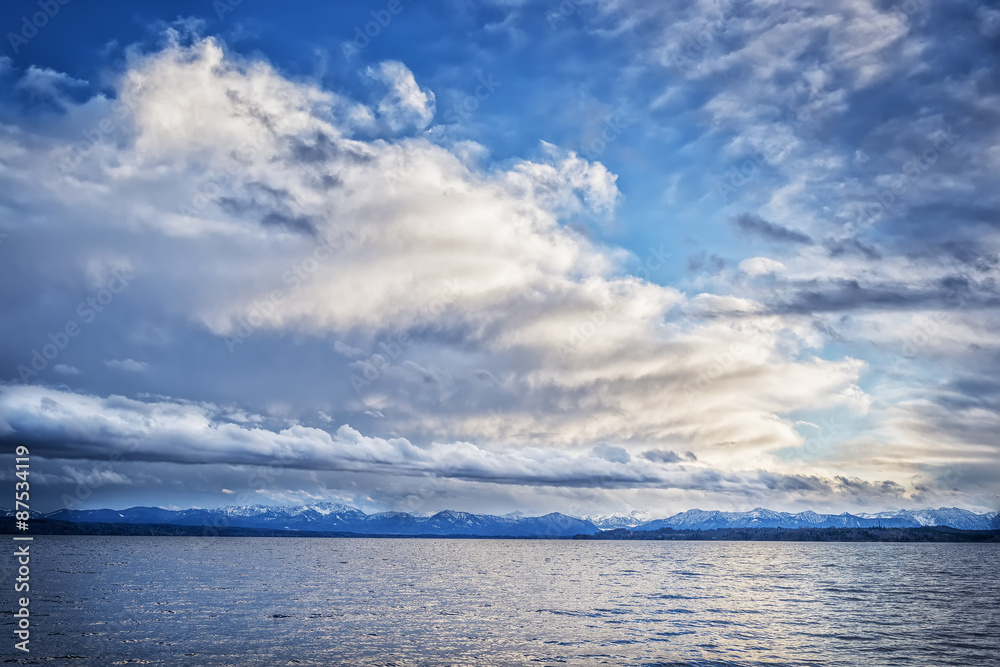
(335, 517)
(764, 518)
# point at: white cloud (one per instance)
(433, 246)
(65, 425)
(95, 478)
(128, 365)
(405, 104)
(46, 82)
(760, 266)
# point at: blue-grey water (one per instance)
(286, 601)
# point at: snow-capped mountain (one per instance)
(342, 518)
(764, 518)
(335, 517)
(944, 516)
(612, 521)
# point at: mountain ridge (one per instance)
(330, 516)
(336, 517)
(695, 519)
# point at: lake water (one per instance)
(290, 601)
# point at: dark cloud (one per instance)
(250, 109)
(668, 456)
(952, 292)
(786, 483)
(322, 149)
(851, 246)
(257, 201)
(702, 260)
(864, 488)
(829, 330)
(301, 224)
(981, 387)
(757, 226)
(611, 453)
(845, 295)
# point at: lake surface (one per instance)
(292, 601)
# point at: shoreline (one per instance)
(937, 534)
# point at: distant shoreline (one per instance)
(919, 534)
(50, 527)
(875, 534)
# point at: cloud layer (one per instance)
(372, 296)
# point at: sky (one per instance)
(588, 256)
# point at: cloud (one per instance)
(565, 182)
(668, 456)
(611, 453)
(758, 226)
(66, 369)
(512, 290)
(451, 311)
(405, 104)
(59, 424)
(95, 477)
(128, 365)
(852, 245)
(760, 266)
(395, 257)
(47, 83)
(989, 21)
(702, 260)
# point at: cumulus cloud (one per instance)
(405, 103)
(423, 246)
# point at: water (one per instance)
(286, 601)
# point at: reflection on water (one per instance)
(281, 601)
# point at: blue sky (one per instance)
(595, 256)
